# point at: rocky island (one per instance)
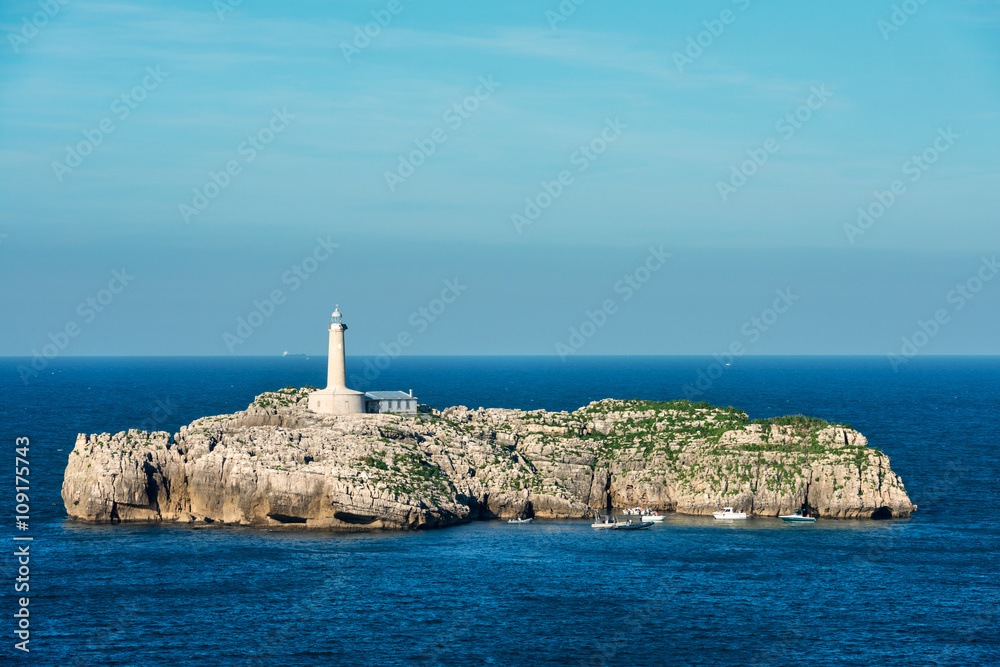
(278, 465)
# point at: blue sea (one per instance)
(917, 591)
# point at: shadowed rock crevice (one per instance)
(278, 465)
(356, 519)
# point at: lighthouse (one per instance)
(337, 399)
(336, 373)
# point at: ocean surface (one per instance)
(917, 591)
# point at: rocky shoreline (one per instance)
(277, 465)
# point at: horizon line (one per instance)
(546, 356)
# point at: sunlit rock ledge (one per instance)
(277, 465)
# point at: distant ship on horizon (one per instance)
(286, 353)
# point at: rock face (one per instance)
(278, 465)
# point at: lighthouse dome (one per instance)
(337, 316)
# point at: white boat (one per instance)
(797, 517)
(528, 520)
(644, 513)
(608, 523)
(728, 513)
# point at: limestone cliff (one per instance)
(278, 465)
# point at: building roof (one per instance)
(383, 395)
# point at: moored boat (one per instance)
(640, 511)
(653, 517)
(727, 513)
(528, 520)
(798, 517)
(628, 525)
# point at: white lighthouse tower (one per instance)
(337, 399)
(336, 372)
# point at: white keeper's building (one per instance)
(391, 401)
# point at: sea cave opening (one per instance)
(882, 513)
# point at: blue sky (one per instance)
(202, 85)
